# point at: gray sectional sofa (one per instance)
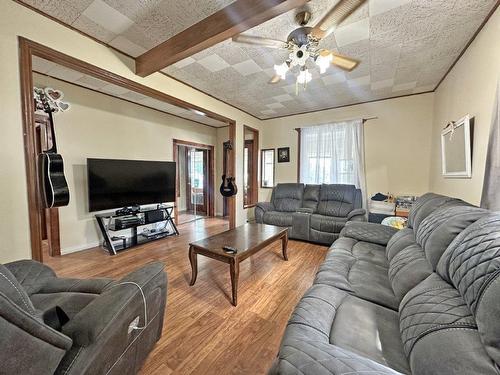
(69, 326)
(315, 213)
(424, 300)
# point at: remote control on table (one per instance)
(229, 249)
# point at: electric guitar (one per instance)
(228, 187)
(53, 185)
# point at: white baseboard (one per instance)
(74, 249)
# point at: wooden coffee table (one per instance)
(247, 239)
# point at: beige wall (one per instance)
(100, 126)
(468, 89)
(397, 143)
(16, 20)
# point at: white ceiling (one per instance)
(57, 71)
(405, 47)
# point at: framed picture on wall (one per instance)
(283, 154)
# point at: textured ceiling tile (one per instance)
(404, 86)
(107, 17)
(65, 73)
(385, 55)
(382, 6)
(361, 81)
(91, 82)
(283, 98)
(134, 9)
(114, 90)
(183, 63)
(390, 21)
(134, 96)
(353, 32)
(213, 63)
(247, 67)
(275, 105)
(63, 10)
(382, 84)
(334, 78)
(93, 29)
(41, 65)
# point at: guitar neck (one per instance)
(53, 148)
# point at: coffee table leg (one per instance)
(284, 245)
(194, 265)
(234, 268)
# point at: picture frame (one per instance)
(283, 154)
(456, 149)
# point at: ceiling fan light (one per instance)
(323, 62)
(304, 77)
(281, 70)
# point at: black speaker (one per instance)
(154, 216)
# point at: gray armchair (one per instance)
(314, 213)
(95, 333)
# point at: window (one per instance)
(250, 165)
(267, 170)
(333, 154)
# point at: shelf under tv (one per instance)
(114, 243)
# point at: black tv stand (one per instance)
(114, 243)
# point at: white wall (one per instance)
(468, 89)
(17, 20)
(100, 126)
(397, 142)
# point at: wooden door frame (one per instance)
(28, 49)
(254, 175)
(211, 174)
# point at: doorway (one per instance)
(195, 181)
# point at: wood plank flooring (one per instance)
(203, 333)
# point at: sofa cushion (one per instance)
(330, 320)
(336, 200)
(330, 224)
(428, 203)
(12, 289)
(363, 279)
(369, 232)
(311, 197)
(439, 333)
(280, 219)
(287, 197)
(472, 265)
(441, 227)
(367, 251)
(401, 240)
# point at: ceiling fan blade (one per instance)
(275, 79)
(344, 62)
(341, 10)
(258, 41)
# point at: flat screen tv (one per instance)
(116, 183)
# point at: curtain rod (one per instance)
(364, 120)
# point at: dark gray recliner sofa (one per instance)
(422, 301)
(97, 339)
(314, 213)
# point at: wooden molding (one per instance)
(224, 24)
(28, 49)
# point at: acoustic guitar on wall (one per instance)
(53, 186)
(228, 187)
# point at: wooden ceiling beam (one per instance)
(224, 24)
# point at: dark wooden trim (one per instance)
(211, 173)
(299, 135)
(492, 11)
(231, 169)
(28, 112)
(126, 100)
(27, 49)
(262, 167)
(235, 18)
(254, 174)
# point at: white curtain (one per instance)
(333, 154)
(491, 193)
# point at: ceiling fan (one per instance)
(303, 43)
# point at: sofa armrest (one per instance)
(368, 232)
(60, 285)
(260, 209)
(358, 214)
(309, 357)
(120, 303)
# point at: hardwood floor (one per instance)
(203, 333)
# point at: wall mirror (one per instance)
(456, 150)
